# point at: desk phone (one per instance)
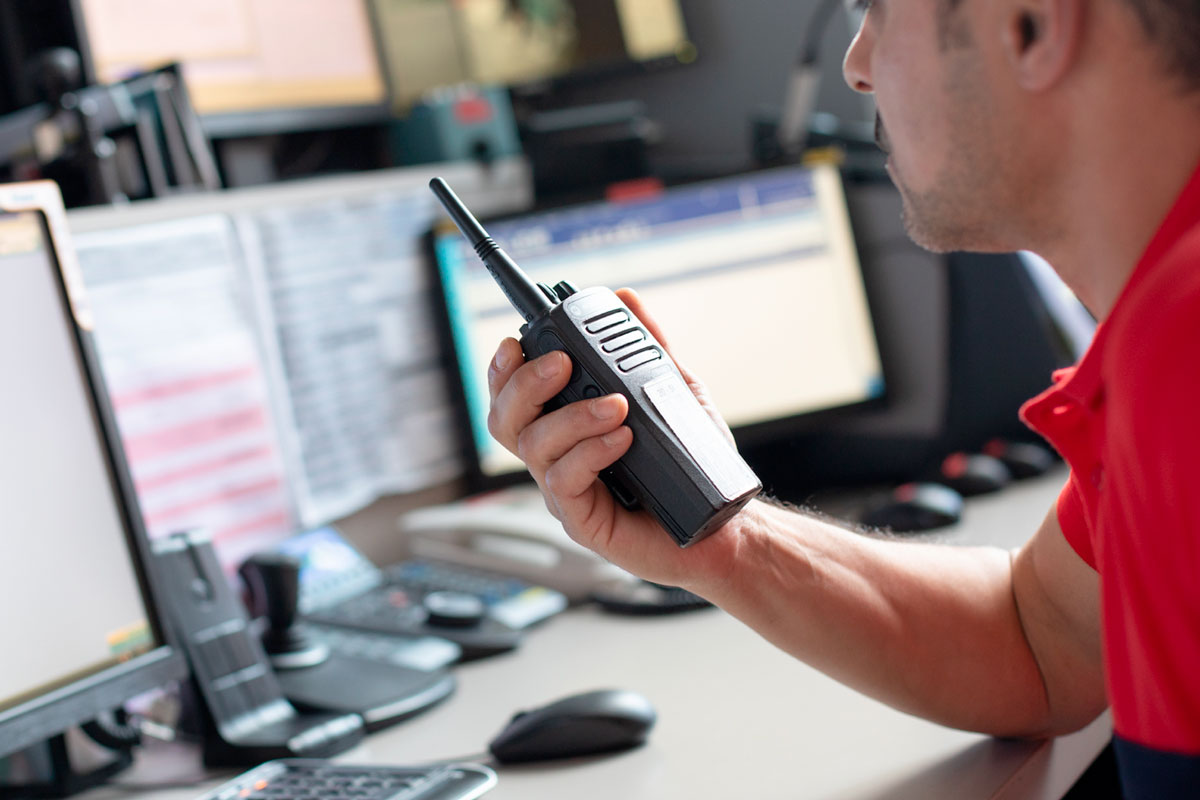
(510, 532)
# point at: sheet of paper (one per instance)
(345, 303)
(347, 307)
(180, 357)
(273, 350)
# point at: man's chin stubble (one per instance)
(923, 222)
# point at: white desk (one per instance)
(737, 718)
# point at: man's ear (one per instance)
(1042, 39)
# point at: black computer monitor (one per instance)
(80, 631)
(438, 43)
(251, 66)
(754, 278)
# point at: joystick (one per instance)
(274, 579)
(312, 675)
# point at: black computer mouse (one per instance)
(973, 473)
(1023, 459)
(916, 507)
(584, 724)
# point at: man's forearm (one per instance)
(931, 630)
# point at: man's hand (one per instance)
(565, 451)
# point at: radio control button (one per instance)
(638, 358)
(609, 319)
(618, 341)
(548, 341)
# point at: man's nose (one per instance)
(856, 67)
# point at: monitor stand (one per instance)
(62, 780)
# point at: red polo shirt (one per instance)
(1127, 420)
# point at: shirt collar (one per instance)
(1084, 382)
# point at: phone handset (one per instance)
(511, 533)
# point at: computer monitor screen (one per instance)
(755, 280)
(433, 43)
(243, 57)
(79, 627)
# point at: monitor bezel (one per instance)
(747, 436)
(56, 710)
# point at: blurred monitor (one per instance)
(433, 43)
(293, 375)
(79, 628)
(251, 66)
(755, 279)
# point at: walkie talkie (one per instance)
(680, 467)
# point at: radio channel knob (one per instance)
(564, 290)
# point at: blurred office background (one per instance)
(285, 138)
(701, 87)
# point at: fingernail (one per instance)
(501, 361)
(613, 438)
(548, 367)
(605, 407)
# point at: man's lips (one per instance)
(881, 137)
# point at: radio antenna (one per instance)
(522, 292)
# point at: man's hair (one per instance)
(1173, 26)
(951, 32)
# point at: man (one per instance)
(1070, 128)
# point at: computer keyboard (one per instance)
(396, 609)
(379, 607)
(310, 779)
(418, 652)
(512, 601)
(400, 600)
(481, 613)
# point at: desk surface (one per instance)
(737, 717)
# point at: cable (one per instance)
(803, 83)
(816, 28)
(114, 731)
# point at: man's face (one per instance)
(938, 120)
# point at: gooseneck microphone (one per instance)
(803, 82)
